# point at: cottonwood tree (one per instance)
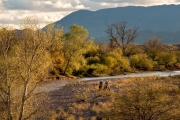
(56, 38)
(32, 60)
(27, 67)
(121, 36)
(7, 69)
(76, 44)
(116, 62)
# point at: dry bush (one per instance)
(71, 84)
(147, 99)
(80, 83)
(81, 97)
(93, 118)
(87, 89)
(102, 107)
(104, 93)
(70, 117)
(61, 114)
(54, 115)
(81, 118)
(82, 106)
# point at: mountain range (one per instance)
(162, 21)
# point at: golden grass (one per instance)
(90, 98)
(53, 115)
(82, 106)
(70, 117)
(93, 118)
(102, 107)
(82, 96)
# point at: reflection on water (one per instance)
(54, 85)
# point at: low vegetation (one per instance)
(132, 98)
(31, 55)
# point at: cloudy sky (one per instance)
(12, 11)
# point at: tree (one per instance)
(141, 61)
(24, 66)
(55, 48)
(32, 60)
(153, 46)
(116, 62)
(7, 42)
(166, 58)
(76, 44)
(121, 36)
(134, 49)
(170, 47)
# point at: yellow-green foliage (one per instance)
(134, 49)
(116, 62)
(141, 61)
(99, 69)
(178, 56)
(134, 60)
(75, 45)
(94, 59)
(24, 63)
(167, 58)
(110, 61)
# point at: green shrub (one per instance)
(142, 61)
(167, 58)
(99, 69)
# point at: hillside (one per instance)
(162, 21)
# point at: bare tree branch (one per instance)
(121, 36)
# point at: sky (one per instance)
(12, 11)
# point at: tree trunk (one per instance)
(23, 101)
(67, 65)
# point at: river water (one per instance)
(54, 85)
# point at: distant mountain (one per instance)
(161, 21)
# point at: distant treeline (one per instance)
(77, 55)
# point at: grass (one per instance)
(84, 100)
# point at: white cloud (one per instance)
(13, 17)
(59, 4)
(42, 5)
(136, 2)
(17, 4)
(11, 11)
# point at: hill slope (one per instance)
(162, 21)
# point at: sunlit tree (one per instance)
(24, 65)
(76, 43)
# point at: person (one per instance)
(100, 85)
(106, 85)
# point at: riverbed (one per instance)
(57, 84)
